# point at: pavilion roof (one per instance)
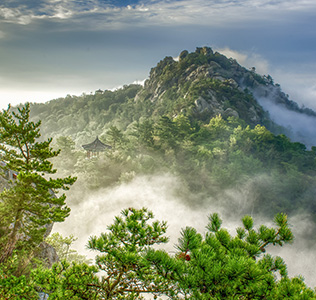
(96, 146)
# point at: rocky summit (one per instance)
(200, 85)
(205, 83)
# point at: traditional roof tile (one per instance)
(96, 146)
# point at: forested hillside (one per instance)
(199, 85)
(196, 118)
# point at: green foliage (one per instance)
(189, 240)
(67, 281)
(68, 156)
(209, 158)
(248, 222)
(167, 132)
(159, 128)
(144, 132)
(115, 137)
(122, 254)
(221, 266)
(12, 287)
(65, 143)
(215, 223)
(216, 266)
(31, 204)
(62, 245)
(86, 115)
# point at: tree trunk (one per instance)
(8, 250)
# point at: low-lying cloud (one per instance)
(301, 85)
(301, 127)
(163, 194)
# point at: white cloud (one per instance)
(214, 12)
(141, 82)
(62, 13)
(248, 60)
(302, 130)
(14, 15)
(156, 12)
(299, 84)
(22, 96)
(24, 14)
(295, 5)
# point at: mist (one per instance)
(301, 127)
(286, 113)
(163, 194)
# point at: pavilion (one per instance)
(94, 148)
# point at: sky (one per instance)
(51, 48)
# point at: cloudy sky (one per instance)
(51, 48)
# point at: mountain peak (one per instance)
(205, 83)
(202, 83)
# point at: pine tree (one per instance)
(115, 137)
(217, 265)
(122, 255)
(32, 203)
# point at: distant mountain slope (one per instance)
(201, 85)
(199, 119)
(210, 84)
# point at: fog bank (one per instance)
(163, 194)
(301, 127)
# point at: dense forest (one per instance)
(196, 118)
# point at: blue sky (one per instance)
(52, 48)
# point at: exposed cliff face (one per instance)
(205, 84)
(47, 254)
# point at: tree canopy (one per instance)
(216, 265)
(32, 203)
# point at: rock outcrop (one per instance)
(47, 254)
(203, 83)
